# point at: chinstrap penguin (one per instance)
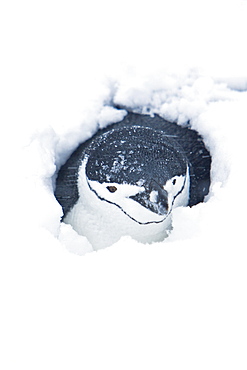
(128, 177)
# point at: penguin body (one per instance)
(128, 177)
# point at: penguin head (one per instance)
(139, 170)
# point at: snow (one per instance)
(175, 304)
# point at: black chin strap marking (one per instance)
(140, 223)
(132, 218)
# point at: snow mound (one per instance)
(211, 108)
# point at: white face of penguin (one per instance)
(178, 190)
(148, 208)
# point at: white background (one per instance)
(173, 305)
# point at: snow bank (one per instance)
(176, 304)
(213, 109)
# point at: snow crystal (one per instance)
(153, 196)
(109, 115)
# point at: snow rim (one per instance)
(193, 99)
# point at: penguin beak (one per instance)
(153, 198)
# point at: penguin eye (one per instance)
(174, 182)
(112, 189)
